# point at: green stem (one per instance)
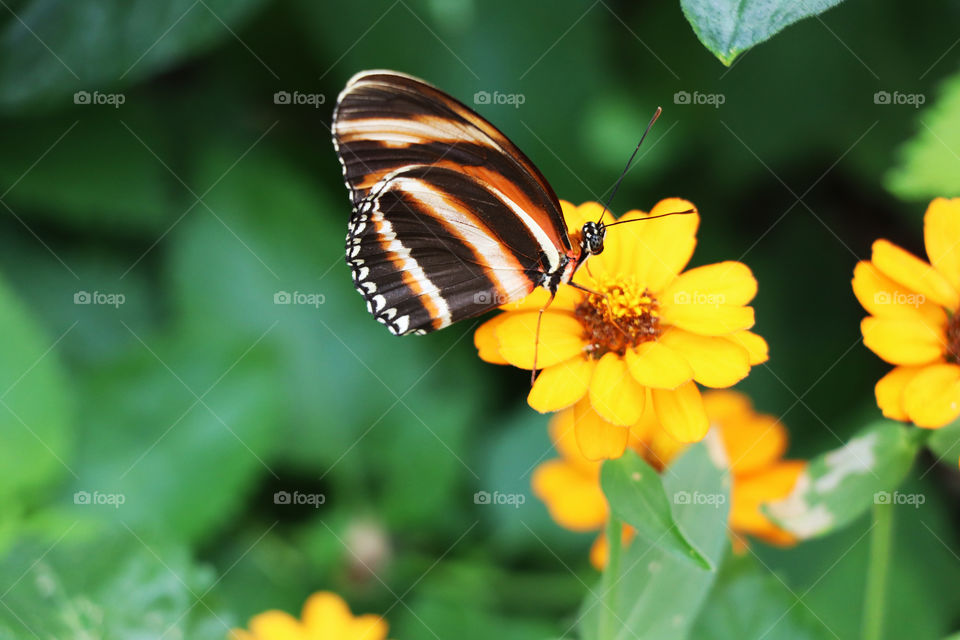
(881, 537)
(611, 577)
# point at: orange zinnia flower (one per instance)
(325, 615)
(648, 332)
(913, 320)
(755, 444)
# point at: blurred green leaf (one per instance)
(658, 593)
(54, 48)
(635, 493)
(840, 485)
(945, 443)
(750, 602)
(729, 27)
(928, 162)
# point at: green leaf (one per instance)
(658, 594)
(839, 486)
(774, 611)
(636, 496)
(928, 163)
(945, 443)
(729, 27)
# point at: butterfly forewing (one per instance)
(450, 218)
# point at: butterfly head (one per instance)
(591, 238)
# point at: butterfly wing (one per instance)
(450, 218)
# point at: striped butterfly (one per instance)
(450, 219)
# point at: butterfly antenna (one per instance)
(656, 114)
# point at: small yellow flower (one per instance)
(913, 321)
(325, 617)
(650, 335)
(755, 444)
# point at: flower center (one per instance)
(953, 337)
(620, 315)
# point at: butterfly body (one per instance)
(449, 218)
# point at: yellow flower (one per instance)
(325, 617)
(755, 444)
(913, 320)
(647, 340)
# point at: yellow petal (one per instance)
(574, 499)
(941, 234)
(716, 362)
(681, 412)
(563, 433)
(485, 340)
(366, 627)
(755, 345)
(932, 397)
(902, 341)
(561, 338)
(614, 394)
(889, 392)
(598, 439)
(657, 366)
(706, 319)
(655, 251)
(325, 614)
(882, 297)
(913, 273)
(722, 283)
(561, 385)
(276, 624)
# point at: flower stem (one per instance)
(880, 540)
(611, 577)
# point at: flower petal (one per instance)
(681, 412)
(755, 345)
(706, 319)
(598, 439)
(882, 297)
(567, 299)
(614, 394)
(485, 340)
(276, 624)
(913, 273)
(563, 433)
(716, 362)
(561, 385)
(326, 614)
(657, 366)
(902, 341)
(889, 392)
(574, 499)
(932, 397)
(754, 442)
(721, 283)
(561, 338)
(941, 234)
(751, 491)
(657, 250)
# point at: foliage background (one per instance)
(198, 398)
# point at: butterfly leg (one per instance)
(536, 340)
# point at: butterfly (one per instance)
(450, 219)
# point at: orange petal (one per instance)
(485, 340)
(889, 392)
(751, 491)
(698, 316)
(913, 273)
(754, 442)
(614, 394)
(566, 299)
(727, 406)
(721, 283)
(716, 362)
(657, 366)
(574, 499)
(902, 341)
(563, 433)
(755, 345)
(932, 397)
(561, 385)
(598, 439)
(941, 234)
(882, 297)
(681, 412)
(600, 547)
(561, 338)
(657, 250)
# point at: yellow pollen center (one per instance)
(621, 314)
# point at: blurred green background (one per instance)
(182, 387)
